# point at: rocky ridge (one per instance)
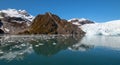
(49, 23)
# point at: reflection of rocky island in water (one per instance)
(16, 47)
(52, 46)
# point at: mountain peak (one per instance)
(15, 20)
(16, 13)
(48, 13)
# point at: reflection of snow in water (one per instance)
(112, 42)
(80, 47)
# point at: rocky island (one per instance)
(49, 23)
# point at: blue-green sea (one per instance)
(59, 50)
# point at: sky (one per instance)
(95, 10)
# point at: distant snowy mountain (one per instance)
(80, 21)
(16, 13)
(107, 28)
(15, 20)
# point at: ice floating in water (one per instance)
(54, 43)
(23, 45)
(41, 44)
(108, 28)
(1, 52)
(36, 45)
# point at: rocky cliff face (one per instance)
(51, 24)
(13, 25)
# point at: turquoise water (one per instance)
(59, 50)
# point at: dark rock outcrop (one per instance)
(51, 24)
(1, 31)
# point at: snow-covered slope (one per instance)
(107, 28)
(14, 20)
(16, 13)
(80, 21)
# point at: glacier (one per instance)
(107, 28)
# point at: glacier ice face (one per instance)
(107, 28)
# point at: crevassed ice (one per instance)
(107, 28)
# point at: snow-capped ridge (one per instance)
(79, 19)
(14, 20)
(16, 13)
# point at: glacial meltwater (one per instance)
(59, 50)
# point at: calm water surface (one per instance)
(59, 50)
